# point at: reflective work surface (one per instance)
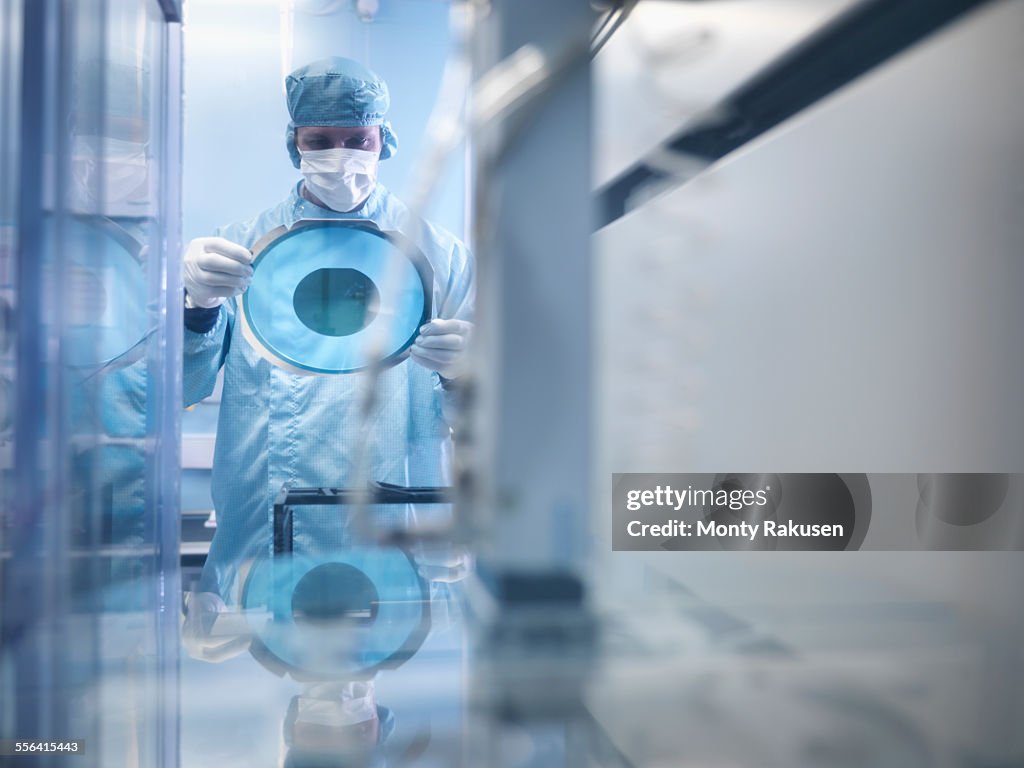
(238, 713)
(811, 665)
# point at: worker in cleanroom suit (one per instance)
(277, 427)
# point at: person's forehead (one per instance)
(333, 130)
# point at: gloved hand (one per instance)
(442, 346)
(448, 564)
(213, 270)
(203, 637)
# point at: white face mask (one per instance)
(124, 173)
(341, 178)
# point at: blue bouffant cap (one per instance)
(337, 92)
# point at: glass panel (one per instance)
(85, 491)
(11, 23)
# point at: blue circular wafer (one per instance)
(334, 297)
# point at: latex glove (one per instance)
(213, 270)
(206, 634)
(443, 346)
(443, 563)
